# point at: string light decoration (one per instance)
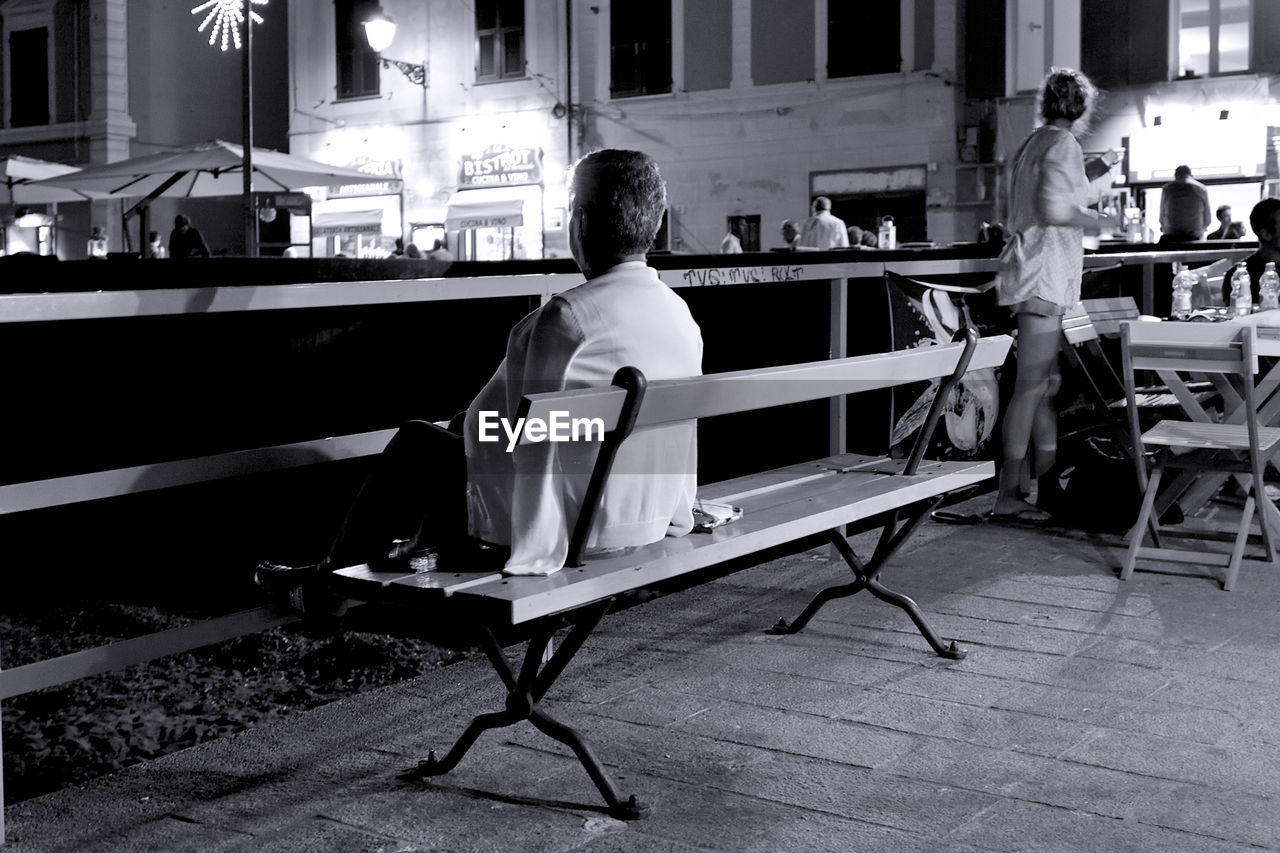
(226, 16)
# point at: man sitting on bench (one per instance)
(480, 497)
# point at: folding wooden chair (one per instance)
(1224, 353)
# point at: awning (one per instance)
(346, 222)
(464, 212)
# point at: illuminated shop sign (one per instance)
(501, 166)
(389, 169)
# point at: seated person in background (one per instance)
(1226, 230)
(439, 252)
(155, 249)
(855, 236)
(185, 240)
(1184, 208)
(1264, 219)
(870, 240)
(477, 499)
(790, 233)
(97, 247)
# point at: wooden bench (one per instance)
(782, 506)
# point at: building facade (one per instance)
(87, 82)
(474, 111)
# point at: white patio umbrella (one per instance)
(19, 176)
(205, 170)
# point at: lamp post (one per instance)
(250, 227)
(223, 18)
(380, 31)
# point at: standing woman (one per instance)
(1039, 278)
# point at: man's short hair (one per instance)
(624, 196)
(180, 220)
(1222, 208)
(1263, 216)
(822, 203)
(1182, 172)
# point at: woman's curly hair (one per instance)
(1068, 94)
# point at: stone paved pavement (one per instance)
(1089, 715)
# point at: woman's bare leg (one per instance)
(1030, 415)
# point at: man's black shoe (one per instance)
(303, 589)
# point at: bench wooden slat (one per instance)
(673, 400)
(77, 488)
(788, 514)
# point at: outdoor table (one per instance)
(1192, 489)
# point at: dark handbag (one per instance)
(1096, 488)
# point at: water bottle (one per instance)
(1183, 284)
(888, 236)
(1241, 291)
(1269, 288)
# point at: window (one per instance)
(357, 62)
(863, 38)
(499, 39)
(1213, 36)
(29, 103)
(640, 48)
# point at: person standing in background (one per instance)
(185, 240)
(823, 230)
(731, 243)
(1038, 278)
(1184, 208)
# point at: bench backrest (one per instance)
(635, 403)
(672, 400)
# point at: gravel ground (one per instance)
(69, 734)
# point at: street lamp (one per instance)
(379, 31)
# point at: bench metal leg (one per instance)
(524, 695)
(867, 577)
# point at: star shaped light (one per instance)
(226, 17)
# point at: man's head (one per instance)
(1224, 214)
(789, 231)
(821, 203)
(153, 236)
(855, 235)
(1264, 219)
(1182, 173)
(181, 222)
(616, 201)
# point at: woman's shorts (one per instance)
(1038, 306)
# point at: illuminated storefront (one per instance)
(359, 220)
(496, 213)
